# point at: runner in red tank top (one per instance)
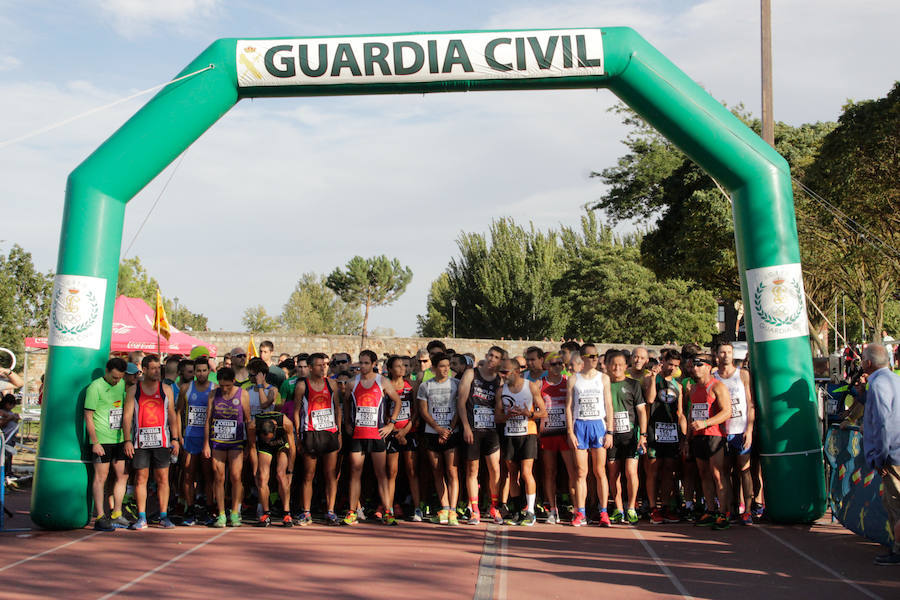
(710, 409)
(554, 442)
(403, 440)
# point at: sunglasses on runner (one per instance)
(340, 362)
(556, 364)
(238, 356)
(424, 360)
(590, 355)
(504, 371)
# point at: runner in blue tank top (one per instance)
(193, 400)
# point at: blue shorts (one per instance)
(735, 445)
(589, 434)
(193, 444)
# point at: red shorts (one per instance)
(555, 443)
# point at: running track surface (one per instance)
(426, 561)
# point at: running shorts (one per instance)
(734, 445)
(193, 444)
(520, 447)
(663, 450)
(486, 442)
(555, 443)
(319, 443)
(272, 449)
(589, 434)
(158, 458)
(392, 446)
(111, 452)
(625, 445)
(705, 447)
(367, 446)
(433, 442)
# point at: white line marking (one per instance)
(54, 549)
(822, 566)
(662, 567)
(163, 566)
(501, 585)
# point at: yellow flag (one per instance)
(160, 322)
(251, 349)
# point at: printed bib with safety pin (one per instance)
(442, 415)
(115, 418)
(516, 426)
(322, 419)
(225, 430)
(589, 408)
(666, 433)
(484, 417)
(150, 437)
(556, 417)
(196, 416)
(621, 422)
(366, 416)
(700, 412)
(404, 411)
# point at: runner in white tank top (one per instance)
(587, 398)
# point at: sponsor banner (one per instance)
(418, 58)
(76, 312)
(777, 302)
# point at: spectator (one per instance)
(9, 381)
(881, 437)
(9, 424)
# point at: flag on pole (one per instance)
(160, 322)
(251, 349)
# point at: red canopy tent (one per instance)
(132, 329)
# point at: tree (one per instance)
(313, 308)
(257, 320)
(135, 282)
(369, 282)
(24, 301)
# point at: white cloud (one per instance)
(134, 17)
(8, 63)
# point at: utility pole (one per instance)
(768, 121)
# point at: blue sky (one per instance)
(399, 175)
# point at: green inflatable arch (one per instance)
(757, 178)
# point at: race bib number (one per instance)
(666, 433)
(484, 417)
(700, 412)
(366, 416)
(150, 437)
(442, 415)
(323, 419)
(115, 418)
(621, 422)
(556, 418)
(404, 411)
(831, 405)
(516, 426)
(735, 408)
(589, 408)
(225, 430)
(196, 416)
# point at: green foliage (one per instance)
(135, 282)
(257, 320)
(24, 301)
(369, 282)
(313, 308)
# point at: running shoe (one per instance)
(188, 520)
(528, 519)
(306, 519)
(235, 520)
(656, 517)
(417, 515)
(379, 512)
(361, 514)
(220, 521)
(141, 523)
(889, 559)
(389, 519)
(722, 522)
(632, 517)
(671, 516)
(453, 519)
(265, 520)
(513, 519)
(746, 519)
(121, 522)
(166, 523)
(441, 518)
(616, 517)
(104, 523)
(604, 519)
(495, 515)
(553, 518)
(351, 519)
(287, 521)
(331, 518)
(758, 510)
(706, 520)
(578, 520)
(475, 518)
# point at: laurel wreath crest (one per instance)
(772, 319)
(81, 327)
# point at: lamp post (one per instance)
(453, 304)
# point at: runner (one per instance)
(534, 361)
(402, 440)
(710, 409)
(666, 428)
(238, 360)
(437, 408)
(193, 400)
(589, 427)
(638, 365)
(739, 431)
(274, 442)
(629, 434)
(477, 399)
(317, 415)
(690, 478)
(103, 405)
(263, 395)
(150, 409)
(552, 433)
(520, 405)
(366, 420)
(227, 416)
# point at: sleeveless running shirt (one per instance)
(151, 418)
(255, 400)
(554, 395)
(195, 410)
(480, 404)
(317, 412)
(227, 419)
(278, 417)
(518, 425)
(587, 398)
(704, 406)
(368, 409)
(440, 398)
(738, 421)
(663, 422)
(405, 394)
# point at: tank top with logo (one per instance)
(704, 406)
(554, 396)
(405, 393)
(738, 421)
(663, 422)
(518, 425)
(481, 401)
(587, 398)
(317, 409)
(227, 419)
(195, 410)
(368, 409)
(151, 418)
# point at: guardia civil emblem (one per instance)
(778, 302)
(77, 310)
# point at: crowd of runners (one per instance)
(566, 437)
